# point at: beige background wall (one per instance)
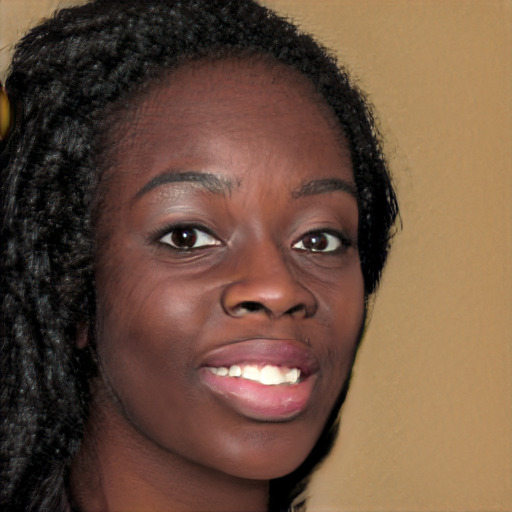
(428, 422)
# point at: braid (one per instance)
(66, 74)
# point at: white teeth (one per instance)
(268, 375)
(293, 375)
(222, 370)
(251, 373)
(271, 375)
(235, 371)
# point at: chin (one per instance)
(271, 451)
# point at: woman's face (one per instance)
(229, 286)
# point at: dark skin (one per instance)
(227, 238)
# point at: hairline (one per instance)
(124, 112)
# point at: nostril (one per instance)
(245, 307)
(299, 308)
(250, 306)
(255, 307)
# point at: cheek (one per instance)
(143, 321)
(147, 333)
(342, 314)
(342, 304)
(145, 299)
(145, 366)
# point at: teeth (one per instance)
(293, 375)
(251, 373)
(235, 371)
(271, 375)
(268, 375)
(222, 370)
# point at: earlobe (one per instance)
(82, 336)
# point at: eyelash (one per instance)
(200, 232)
(329, 236)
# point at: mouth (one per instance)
(261, 379)
(268, 375)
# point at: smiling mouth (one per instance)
(262, 379)
(268, 375)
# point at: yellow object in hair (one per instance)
(5, 113)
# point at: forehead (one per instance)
(218, 91)
(223, 113)
(257, 79)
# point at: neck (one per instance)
(119, 470)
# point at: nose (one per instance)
(264, 284)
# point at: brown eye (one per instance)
(185, 238)
(318, 241)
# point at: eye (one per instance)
(320, 241)
(184, 238)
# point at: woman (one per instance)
(195, 212)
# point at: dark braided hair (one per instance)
(66, 75)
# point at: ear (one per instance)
(82, 336)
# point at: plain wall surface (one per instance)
(427, 425)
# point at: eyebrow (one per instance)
(323, 186)
(206, 180)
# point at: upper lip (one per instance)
(279, 352)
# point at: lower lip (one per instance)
(258, 401)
